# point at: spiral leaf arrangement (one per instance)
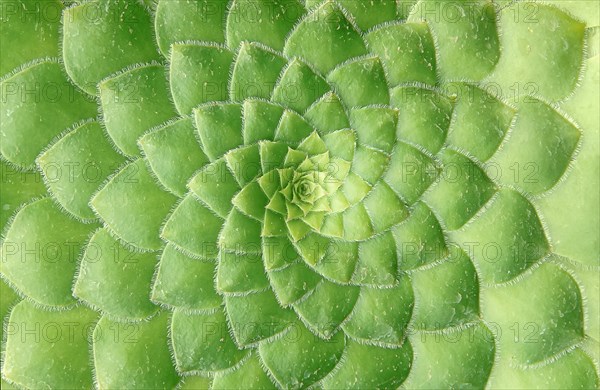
(290, 194)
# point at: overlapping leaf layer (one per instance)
(291, 194)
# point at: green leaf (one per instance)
(480, 120)
(461, 191)
(299, 87)
(255, 72)
(185, 20)
(333, 224)
(379, 368)
(589, 287)
(575, 370)
(293, 282)
(327, 306)
(424, 116)
(384, 207)
(313, 247)
(116, 278)
(220, 128)
(194, 228)
(256, 316)
(341, 144)
(566, 220)
(17, 188)
(198, 74)
(413, 60)
(76, 166)
(371, 13)
(38, 103)
(312, 145)
(369, 164)
(355, 189)
(448, 293)
(42, 244)
(8, 299)
(244, 163)
(272, 156)
(185, 282)
(466, 34)
(273, 224)
(278, 252)
(524, 65)
(133, 206)
(101, 38)
(295, 157)
(250, 375)
(134, 102)
(240, 273)
(516, 243)
(299, 358)
(339, 261)
(215, 186)
(292, 128)
(123, 348)
(240, 233)
(30, 30)
(39, 340)
(327, 114)
(538, 149)
(377, 262)
(266, 22)
(357, 223)
(375, 127)
(460, 358)
(251, 200)
(195, 382)
(174, 154)
(381, 316)
(324, 39)
(201, 342)
(260, 120)
(410, 172)
(360, 82)
(546, 310)
(420, 238)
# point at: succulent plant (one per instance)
(290, 194)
